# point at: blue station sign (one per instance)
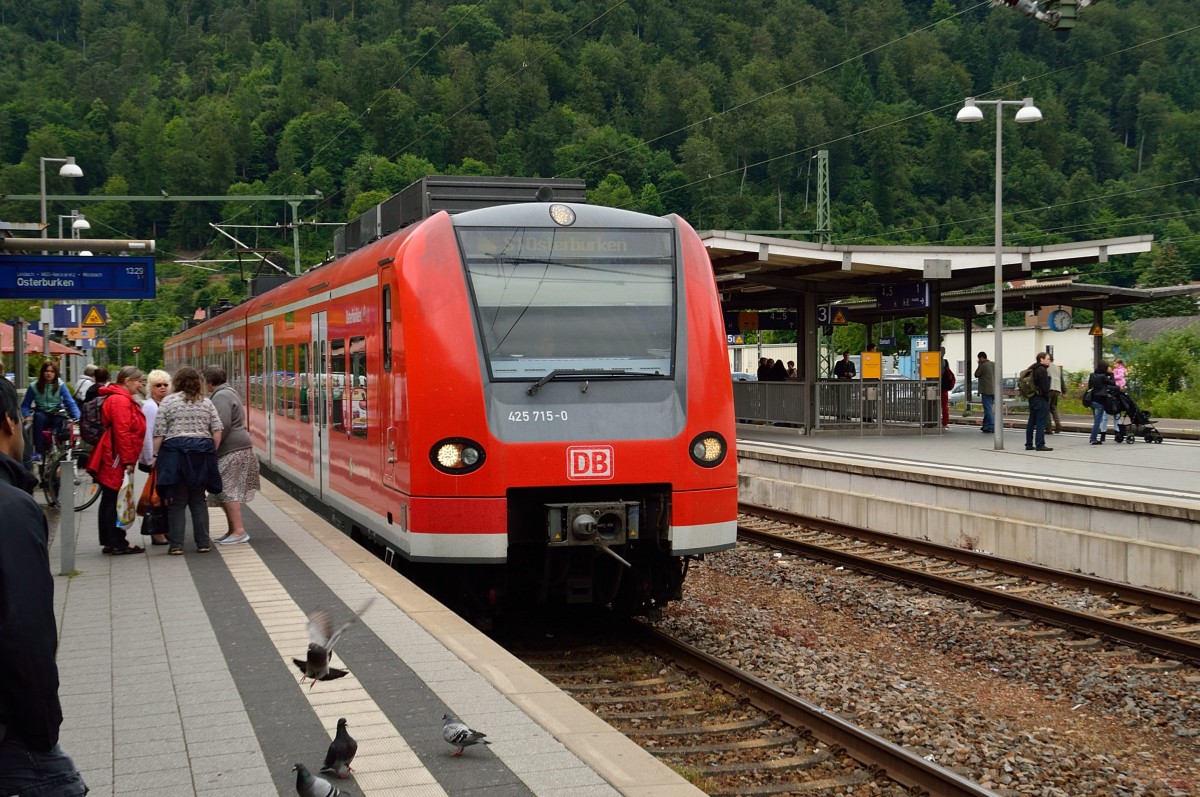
(76, 277)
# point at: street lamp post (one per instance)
(78, 223)
(971, 112)
(68, 169)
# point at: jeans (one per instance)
(1035, 428)
(29, 773)
(1097, 421)
(989, 413)
(41, 422)
(186, 497)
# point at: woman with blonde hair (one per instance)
(187, 432)
(158, 383)
(117, 453)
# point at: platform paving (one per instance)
(176, 677)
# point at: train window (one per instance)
(302, 378)
(338, 397)
(289, 390)
(358, 386)
(589, 299)
(387, 328)
(281, 376)
(253, 377)
(236, 375)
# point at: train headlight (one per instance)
(562, 215)
(708, 449)
(456, 455)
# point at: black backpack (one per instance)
(91, 422)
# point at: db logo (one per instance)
(589, 462)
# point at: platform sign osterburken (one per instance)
(75, 277)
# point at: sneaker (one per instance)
(1043, 448)
(234, 539)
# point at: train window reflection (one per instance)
(573, 299)
(337, 383)
(281, 380)
(302, 376)
(357, 392)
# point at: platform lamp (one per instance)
(68, 169)
(971, 112)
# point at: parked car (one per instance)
(959, 393)
(744, 376)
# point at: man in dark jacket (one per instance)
(30, 714)
(1039, 405)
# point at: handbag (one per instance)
(126, 508)
(155, 521)
(149, 499)
(1087, 398)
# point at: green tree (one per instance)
(1166, 269)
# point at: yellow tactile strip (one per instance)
(385, 764)
(591, 742)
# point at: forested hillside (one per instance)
(712, 109)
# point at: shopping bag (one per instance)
(126, 507)
(149, 498)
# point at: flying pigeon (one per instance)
(459, 735)
(308, 785)
(322, 637)
(341, 752)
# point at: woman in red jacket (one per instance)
(117, 454)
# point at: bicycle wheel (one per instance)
(50, 479)
(86, 490)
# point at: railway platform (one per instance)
(177, 679)
(1127, 512)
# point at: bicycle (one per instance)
(61, 442)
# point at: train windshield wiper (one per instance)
(557, 372)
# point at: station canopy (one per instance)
(756, 272)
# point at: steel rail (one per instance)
(900, 764)
(1142, 596)
(1156, 642)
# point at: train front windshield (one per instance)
(573, 300)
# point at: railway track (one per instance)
(1158, 623)
(727, 730)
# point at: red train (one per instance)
(535, 393)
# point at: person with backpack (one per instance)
(86, 381)
(1101, 386)
(116, 454)
(44, 400)
(101, 379)
(1037, 377)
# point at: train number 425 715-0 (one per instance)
(527, 416)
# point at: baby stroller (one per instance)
(1133, 422)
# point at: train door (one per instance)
(268, 382)
(318, 385)
(388, 382)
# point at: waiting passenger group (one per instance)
(190, 434)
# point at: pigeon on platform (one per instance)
(341, 752)
(322, 637)
(308, 785)
(459, 735)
